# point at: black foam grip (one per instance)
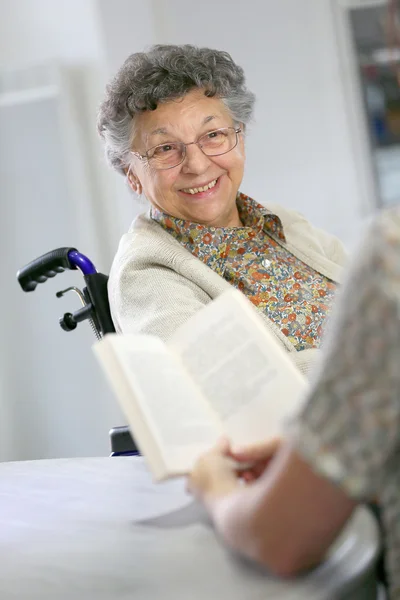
(40, 269)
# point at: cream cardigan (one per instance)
(156, 284)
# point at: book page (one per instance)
(180, 422)
(240, 368)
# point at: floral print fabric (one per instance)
(253, 258)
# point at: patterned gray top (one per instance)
(349, 430)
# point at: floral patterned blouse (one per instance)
(253, 259)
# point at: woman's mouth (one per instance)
(202, 191)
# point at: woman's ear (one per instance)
(134, 182)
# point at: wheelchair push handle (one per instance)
(50, 264)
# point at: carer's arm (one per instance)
(286, 520)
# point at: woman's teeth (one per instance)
(200, 189)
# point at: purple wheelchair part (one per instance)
(81, 262)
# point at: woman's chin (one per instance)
(212, 216)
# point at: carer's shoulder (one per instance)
(387, 224)
(381, 243)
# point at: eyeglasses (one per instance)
(172, 154)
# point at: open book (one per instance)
(223, 372)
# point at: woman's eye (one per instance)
(163, 149)
(216, 136)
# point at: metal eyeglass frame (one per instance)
(184, 146)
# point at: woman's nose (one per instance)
(196, 161)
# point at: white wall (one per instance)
(300, 153)
(38, 30)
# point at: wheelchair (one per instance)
(95, 309)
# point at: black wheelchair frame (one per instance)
(95, 309)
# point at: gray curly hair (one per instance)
(164, 73)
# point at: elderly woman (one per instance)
(173, 123)
(343, 450)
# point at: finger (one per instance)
(256, 452)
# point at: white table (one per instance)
(98, 528)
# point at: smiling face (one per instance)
(171, 190)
